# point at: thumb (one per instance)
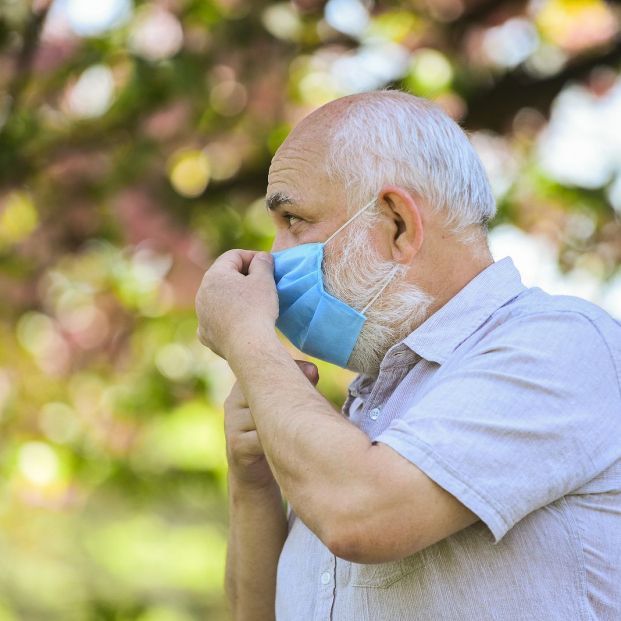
(310, 371)
(262, 264)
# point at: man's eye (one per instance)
(291, 219)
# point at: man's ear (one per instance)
(405, 223)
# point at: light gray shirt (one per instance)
(509, 398)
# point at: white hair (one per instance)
(392, 137)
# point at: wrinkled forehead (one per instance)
(298, 165)
(298, 174)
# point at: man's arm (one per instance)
(257, 532)
(257, 521)
(365, 502)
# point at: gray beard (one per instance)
(355, 276)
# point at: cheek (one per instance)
(381, 241)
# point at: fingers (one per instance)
(238, 260)
(236, 398)
(310, 371)
(253, 442)
(262, 265)
(239, 421)
(246, 444)
(246, 262)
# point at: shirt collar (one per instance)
(440, 334)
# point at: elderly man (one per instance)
(474, 472)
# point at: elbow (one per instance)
(347, 545)
(342, 546)
(346, 530)
(368, 543)
(345, 538)
(334, 531)
(348, 525)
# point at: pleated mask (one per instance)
(316, 322)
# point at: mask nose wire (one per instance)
(350, 220)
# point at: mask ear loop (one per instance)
(348, 221)
(390, 277)
(395, 271)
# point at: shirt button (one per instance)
(374, 413)
(325, 577)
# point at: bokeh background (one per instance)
(135, 139)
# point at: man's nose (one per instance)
(281, 243)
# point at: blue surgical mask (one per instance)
(316, 322)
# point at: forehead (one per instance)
(296, 164)
(297, 175)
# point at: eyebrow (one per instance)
(275, 201)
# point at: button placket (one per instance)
(326, 588)
(372, 411)
(385, 377)
(390, 376)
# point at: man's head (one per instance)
(432, 204)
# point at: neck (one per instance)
(416, 300)
(444, 270)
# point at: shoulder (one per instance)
(537, 314)
(549, 334)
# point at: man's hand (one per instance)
(244, 452)
(237, 298)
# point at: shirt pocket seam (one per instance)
(398, 570)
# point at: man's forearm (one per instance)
(316, 455)
(257, 532)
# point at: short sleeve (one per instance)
(531, 413)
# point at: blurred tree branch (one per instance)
(24, 58)
(495, 107)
